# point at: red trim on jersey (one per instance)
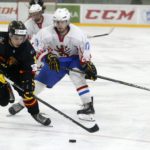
(82, 87)
(61, 37)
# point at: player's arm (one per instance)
(43, 51)
(3, 47)
(85, 59)
(28, 70)
(39, 43)
(29, 27)
(28, 58)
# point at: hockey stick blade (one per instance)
(93, 129)
(99, 35)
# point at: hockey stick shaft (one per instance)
(91, 130)
(113, 80)
(99, 35)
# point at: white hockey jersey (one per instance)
(33, 28)
(75, 42)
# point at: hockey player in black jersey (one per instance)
(17, 62)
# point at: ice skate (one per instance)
(41, 119)
(87, 112)
(15, 108)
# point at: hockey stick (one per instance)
(99, 35)
(110, 79)
(91, 130)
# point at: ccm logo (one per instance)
(109, 14)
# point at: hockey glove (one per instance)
(53, 62)
(2, 79)
(90, 71)
(28, 87)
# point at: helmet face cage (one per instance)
(17, 28)
(62, 14)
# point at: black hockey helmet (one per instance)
(17, 28)
(40, 2)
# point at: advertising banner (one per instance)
(95, 14)
(144, 15)
(8, 12)
(114, 14)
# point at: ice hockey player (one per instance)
(17, 62)
(65, 45)
(37, 20)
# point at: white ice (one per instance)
(122, 112)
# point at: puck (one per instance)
(72, 140)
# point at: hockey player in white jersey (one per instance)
(37, 20)
(61, 46)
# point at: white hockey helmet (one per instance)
(35, 8)
(61, 14)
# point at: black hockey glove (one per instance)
(53, 62)
(90, 70)
(28, 87)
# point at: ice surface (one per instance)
(123, 113)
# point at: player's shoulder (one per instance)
(25, 44)
(77, 32)
(27, 47)
(3, 37)
(28, 22)
(46, 30)
(44, 34)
